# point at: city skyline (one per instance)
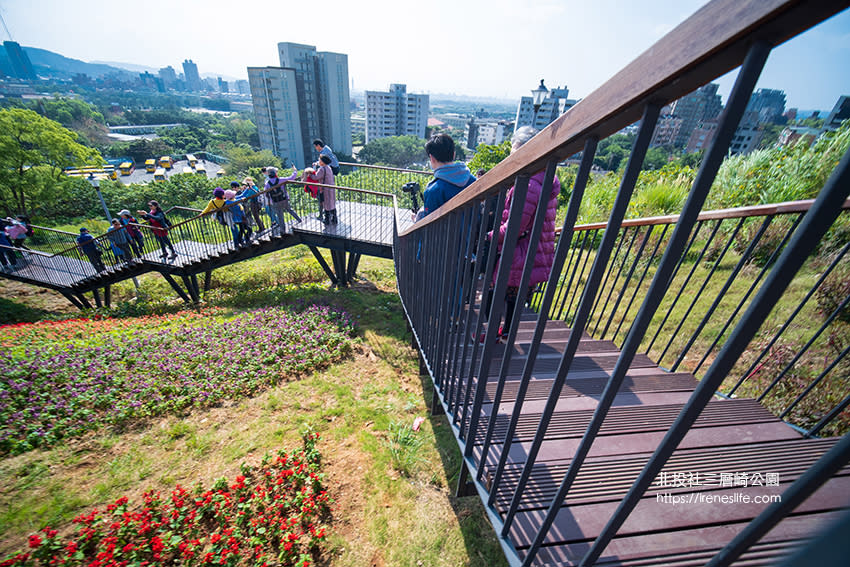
(458, 48)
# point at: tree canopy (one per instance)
(33, 152)
(395, 151)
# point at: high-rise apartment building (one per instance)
(769, 104)
(700, 106)
(395, 113)
(20, 61)
(305, 98)
(555, 104)
(840, 113)
(193, 79)
(168, 76)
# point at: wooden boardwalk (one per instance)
(735, 458)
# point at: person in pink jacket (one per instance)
(545, 254)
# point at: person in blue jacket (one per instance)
(90, 248)
(450, 177)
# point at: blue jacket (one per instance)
(87, 243)
(235, 211)
(449, 180)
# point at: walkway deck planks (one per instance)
(731, 437)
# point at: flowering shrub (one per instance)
(270, 514)
(85, 375)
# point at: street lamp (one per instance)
(95, 182)
(537, 96)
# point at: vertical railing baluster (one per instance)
(600, 263)
(561, 251)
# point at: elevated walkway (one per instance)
(365, 226)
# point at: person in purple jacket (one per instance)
(545, 254)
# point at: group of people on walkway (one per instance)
(240, 207)
(126, 240)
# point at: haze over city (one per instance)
(498, 48)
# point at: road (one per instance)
(142, 176)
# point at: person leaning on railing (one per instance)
(279, 197)
(450, 177)
(90, 248)
(545, 254)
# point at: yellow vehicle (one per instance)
(113, 174)
(159, 174)
(150, 165)
(200, 169)
(127, 168)
(165, 161)
(187, 169)
(193, 161)
(219, 173)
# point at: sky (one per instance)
(492, 48)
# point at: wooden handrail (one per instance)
(785, 208)
(710, 43)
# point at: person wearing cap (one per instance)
(119, 241)
(137, 240)
(252, 206)
(216, 205)
(90, 248)
(279, 196)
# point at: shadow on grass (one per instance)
(479, 536)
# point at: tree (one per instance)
(396, 151)
(240, 160)
(487, 156)
(33, 152)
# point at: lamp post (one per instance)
(95, 182)
(537, 96)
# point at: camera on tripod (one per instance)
(415, 191)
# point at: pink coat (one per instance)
(546, 246)
(325, 176)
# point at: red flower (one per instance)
(34, 541)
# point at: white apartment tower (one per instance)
(306, 97)
(555, 104)
(395, 113)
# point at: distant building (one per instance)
(769, 104)
(490, 132)
(395, 113)
(554, 105)
(747, 137)
(20, 61)
(193, 79)
(358, 123)
(223, 87)
(840, 113)
(242, 87)
(702, 136)
(694, 108)
(307, 97)
(792, 134)
(168, 76)
(667, 128)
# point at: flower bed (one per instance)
(62, 380)
(270, 514)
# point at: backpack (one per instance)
(29, 229)
(278, 194)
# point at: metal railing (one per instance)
(439, 259)
(727, 258)
(56, 260)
